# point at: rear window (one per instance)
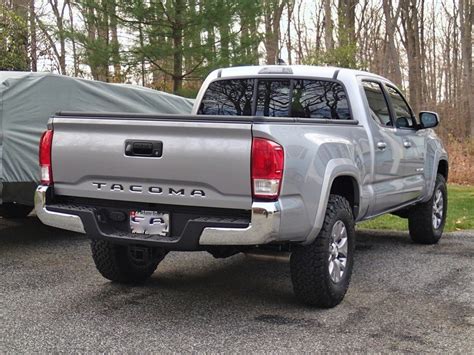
(302, 98)
(228, 98)
(273, 98)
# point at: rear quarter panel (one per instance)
(315, 154)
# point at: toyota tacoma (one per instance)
(273, 159)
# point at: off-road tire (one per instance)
(309, 264)
(115, 261)
(12, 210)
(420, 219)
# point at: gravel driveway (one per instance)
(403, 297)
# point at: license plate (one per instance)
(150, 222)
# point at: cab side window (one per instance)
(403, 114)
(377, 103)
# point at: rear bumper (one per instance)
(55, 219)
(263, 227)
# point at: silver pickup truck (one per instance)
(273, 159)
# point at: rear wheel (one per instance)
(426, 220)
(12, 210)
(125, 263)
(321, 271)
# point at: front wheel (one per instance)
(426, 220)
(321, 271)
(125, 263)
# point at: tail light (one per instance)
(267, 169)
(45, 157)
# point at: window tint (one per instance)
(308, 98)
(273, 98)
(377, 103)
(319, 99)
(403, 115)
(228, 97)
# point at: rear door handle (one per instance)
(381, 145)
(407, 144)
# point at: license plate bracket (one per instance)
(150, 222)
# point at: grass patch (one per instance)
(460, 213)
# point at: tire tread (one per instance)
(113, 262)
(420, 218)
(311, 281)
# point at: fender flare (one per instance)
(438, 157)
(335, 168)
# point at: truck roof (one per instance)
(296, 70)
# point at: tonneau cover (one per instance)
(27, 100)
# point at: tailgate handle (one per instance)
(153, 149)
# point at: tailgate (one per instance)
(204, 164)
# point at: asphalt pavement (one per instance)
(403, 297)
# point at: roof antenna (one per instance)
(281, 62)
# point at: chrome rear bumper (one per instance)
(55, 219)
(263, 228)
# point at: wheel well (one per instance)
(347, 187)
(443, 168)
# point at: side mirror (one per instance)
(429, 119)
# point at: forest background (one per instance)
(424, 46)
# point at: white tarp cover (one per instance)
(27, 100)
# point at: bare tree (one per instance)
(466, 13)
(328, 25)
(411, 41)
(273, 10)
(56, 35)
(392, 59)
(33, 40)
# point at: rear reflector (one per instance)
(267, 169)
(45, 157)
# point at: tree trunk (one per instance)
(225, 52)
(346, 25)
(141, 41)
(33, 41)
(91, 37)
(115, 43)
(467, 22)
(392, 61)
(273, 11)
(291, 7)
(104, 41)
(412, 46)
(328, 26)
(178, 46)
(73, 40)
